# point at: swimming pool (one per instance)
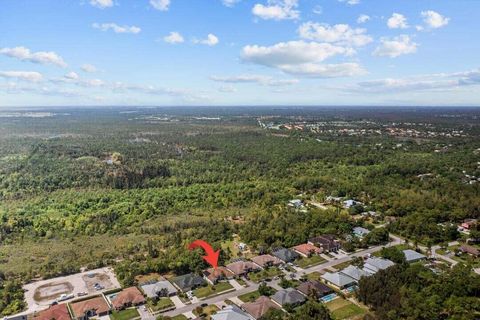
(329, 297)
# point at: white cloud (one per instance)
(42, 57)
(363, 18)
(434, 20)
(350, 2)
(89, 68)
(397, 21)
(230, 3)
(161, 5)
(339, 33)
(30, 76)
(431, 82)
(102, 4)
(173, 38)
(317, 9)
(277, 10)
(253, 78)
(302, 58)
(116, 28)
(395, 47)
(211, 40)
(227, 89)
(72, 76)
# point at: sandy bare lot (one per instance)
(40, 294)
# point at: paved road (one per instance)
(254, 286)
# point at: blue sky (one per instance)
(239, 52)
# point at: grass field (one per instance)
(343, 309)
(249, 297)
(314, 276)
(308, 262)
(180, 317)
(126, 314)
(342, 265)
(209, 290)
(264, 274)
(161, 304)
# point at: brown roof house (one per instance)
(307, 250)
(84, 309)
(57, 312)
(127, 298)
(215, 275)
(259, 307)
(241, 268)
(313, 287)
(266, 260)
(465, 248)
(326, 242)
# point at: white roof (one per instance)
(354, 272)
(375, 264)
(231, 313)
(151, 290)
(360, 231)
(339, 279)
(411, 255)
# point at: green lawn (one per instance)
(208, 311)
(343, 309)
(126, 314)
(343, 265)
(308, 262)
(209, 290)
(249, 297)
(180, 317)
(161, 304)
(241, 282)
(264, 274)
(314, 276)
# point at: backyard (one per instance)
(161, 304)
(126, 314)
(343, 309)
(207, 311)
(249, 297)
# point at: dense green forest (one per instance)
(131, 188)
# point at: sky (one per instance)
(239, 52)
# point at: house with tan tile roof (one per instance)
(307, 249)
(241, 268)
(266, 260)
(259, 307)
(128, 297)
(214, 275)
(84, 309)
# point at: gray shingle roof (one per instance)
(411, 255)
(375, 264)
(338, 279)
(285, 255)
(355, 272)
(231, 312)
(288, 296)
(188, 281)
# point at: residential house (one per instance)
(465, 248)
(360, 232)
(286, 255)
(355, 272)
(259, 307)
(326, 242)
(295, 203)
(288, 296)
(266, 260)
(92, 307)
(231, 312)
(313, 287)
(56, 312)
(331, 199)
(374, 264)
(128, 297)
(158, 289)
(188, 282)
(307, 250)
(338, 280)
(215, 275)
(413, 256)
(468, 224)
(242, 268)
(347, 204)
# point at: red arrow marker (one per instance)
(211, 257)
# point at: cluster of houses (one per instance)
(349, 276)
(100, 305)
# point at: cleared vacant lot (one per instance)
(40, 294)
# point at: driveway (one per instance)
(177, 302)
